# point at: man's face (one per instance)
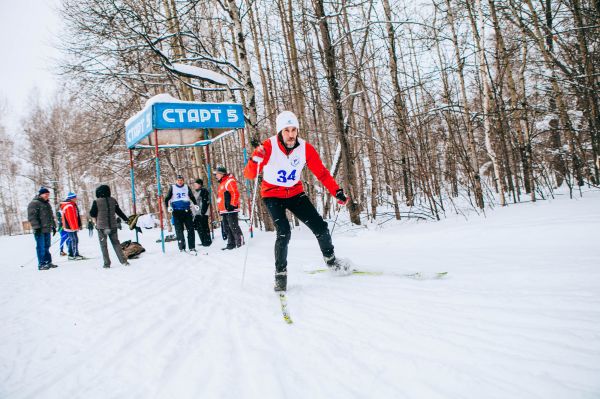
(179, 182)
(45, 196)
(74, 199)
(197, 186)
(219, 175)
(289, 135)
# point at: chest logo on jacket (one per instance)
(295, 161)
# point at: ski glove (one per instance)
(196, 208)
(230, 208)
(259, 154)
(170, 209)
(342, 199)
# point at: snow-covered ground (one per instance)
(518, 315)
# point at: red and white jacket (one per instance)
(70, 216)
(228, 194)
(282, 168)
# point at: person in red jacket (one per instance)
(281, 158)
(228, 203)
(71, 222)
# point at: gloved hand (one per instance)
(196, 208)
(53, 231)
(230, 208)
(342, 199)
(37, 232)
(170, 209)
(259, 154)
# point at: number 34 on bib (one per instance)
(283, 176)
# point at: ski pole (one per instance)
(251, 220)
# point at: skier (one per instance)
(282, 158)
(228, 202)
(41, 218)
(71, 222)
(201, 218)
(90, 227)
(182, 214)
(64, 236)
(104, 211)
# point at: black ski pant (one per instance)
(201, 226)
(181, 219)
(232, 228)
(304, 210)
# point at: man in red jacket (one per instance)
(228, 203)
(71, 222)
(281, 159)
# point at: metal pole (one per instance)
(209, 178)
(160, 200)
(248, 193)
(132, 176)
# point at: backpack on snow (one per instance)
(132, 249)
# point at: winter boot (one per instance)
(280, 282)
(106, 266)
(63, 253)
(52, 265)
(43, 267)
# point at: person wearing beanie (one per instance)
(281, 158)
(200, 216)
(228, 202)
(178, 202)
(41, 218)
(104, 211)
(71, 222)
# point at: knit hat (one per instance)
(199, 181)
(43, 190)
(71, 196)
(221, 169)
(179, 177)
(286, 119)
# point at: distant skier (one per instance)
(104, 210)
(228, 202)
(179, 196)
(41, 218)
(201, 218)
(71, 221)
(282, 158)
(90, 226)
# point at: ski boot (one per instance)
(280, 282)
(336, 265)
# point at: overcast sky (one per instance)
(28, 30)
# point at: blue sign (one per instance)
(166, 116)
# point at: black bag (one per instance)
(132, 249)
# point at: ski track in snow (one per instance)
(518, 315)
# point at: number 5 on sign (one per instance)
(283, 178)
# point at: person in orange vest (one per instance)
(228, 203)
(282, 158)
(71, 222)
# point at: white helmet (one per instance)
(286, 119)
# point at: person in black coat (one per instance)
(104, 211)
(200, 216)
(41, 218)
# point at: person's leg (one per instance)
(39, 248)
(307, 213)
(70, 244)
(228, 232)
(75, 238)
(102, 236)
(197, 226)
(47, 243)
(177, 219)
(189, 225)
(204, 231)
(234, 227)
(276, 208)
(114, 239)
